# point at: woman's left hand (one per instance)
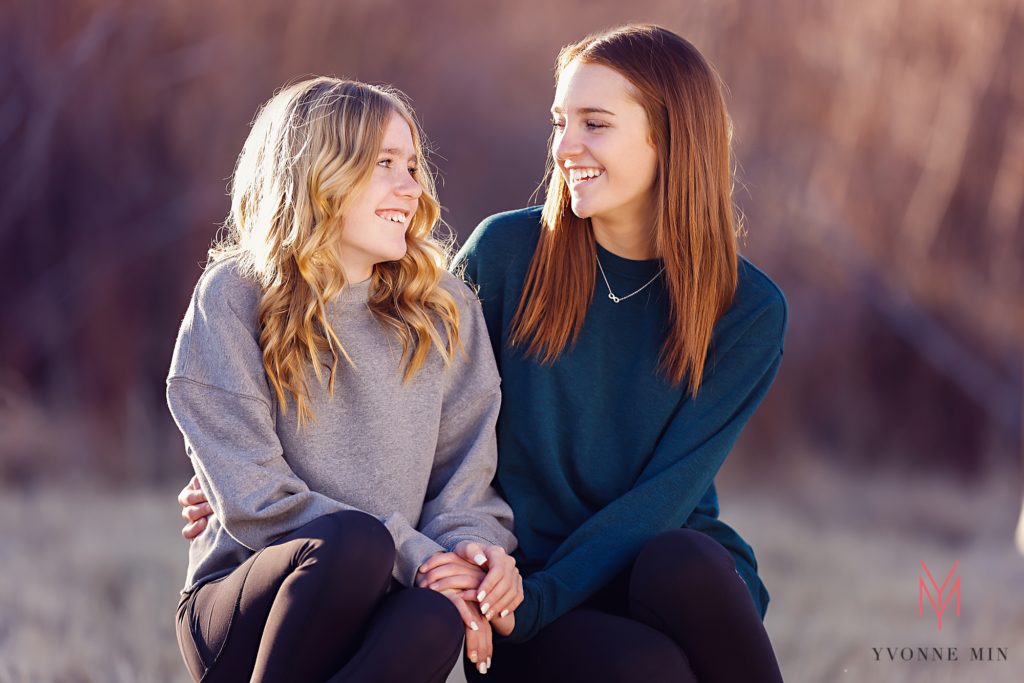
(501, 591)
(448, 571)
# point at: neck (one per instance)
(356, 270)
(632, 240)
(359, 279)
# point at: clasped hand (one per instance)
(485, 586)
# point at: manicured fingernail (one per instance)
(481, 667)
(480, 596)
(504, 613)
(473, 626)
(472, 656)
(484, 607)
(479, 558)
(490, 615)
(488, 662)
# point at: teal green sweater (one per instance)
(598, 453)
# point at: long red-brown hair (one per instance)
(694, 227)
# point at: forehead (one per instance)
(592, 85)
(398, 135)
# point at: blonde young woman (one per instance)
(337, 395)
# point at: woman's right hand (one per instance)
(450, 575)
(195, 509)
(479, 644)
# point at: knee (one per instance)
(364, 534)
(435, 621)
(432, 639)
(349, 543)
(678, 560)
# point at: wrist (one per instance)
(504, 626)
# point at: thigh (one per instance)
(680, 569)
(226, 617)
(206, 616)
(589, 645)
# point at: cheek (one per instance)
(353, 232)
(629, 163)
(638, 172)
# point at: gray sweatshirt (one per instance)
(419, 456)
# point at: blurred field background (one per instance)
(880, 149)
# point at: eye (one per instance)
(386, 163)
(596, 124)
(413, 170)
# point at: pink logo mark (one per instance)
(922, 589)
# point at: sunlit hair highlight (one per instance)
(313, 148)
(694, 225)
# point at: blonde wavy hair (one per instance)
(311, 150)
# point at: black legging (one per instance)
(681, 613)
(319, 605)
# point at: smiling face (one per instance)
(375, 221)
(602, 146)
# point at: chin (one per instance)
(397, 253)
(581, 209)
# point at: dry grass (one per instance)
(841, 556)
(90, 582)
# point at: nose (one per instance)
(408, 187)
(566, 144)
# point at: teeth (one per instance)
(393, 216)
(576, 174)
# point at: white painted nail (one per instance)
(484, 607)
(479, 558)
(481, 667)
(488, 662)
(472, 656)
(480, 596)
(473, 626)
(504, 613)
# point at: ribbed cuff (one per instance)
(450, 540)
(527, 616)
(413, 553)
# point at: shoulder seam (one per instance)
(466, 404)
(189, 380)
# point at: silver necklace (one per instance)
(617, 299)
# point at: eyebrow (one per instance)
(394, 151)
(585, 110)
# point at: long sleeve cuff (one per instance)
(413, 552)
(527, 616)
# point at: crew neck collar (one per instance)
(643, 269)
(354, 294)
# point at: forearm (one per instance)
(463, 506)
